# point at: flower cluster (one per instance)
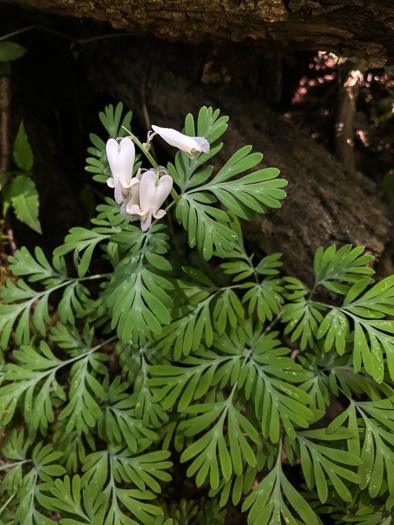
(143, 195)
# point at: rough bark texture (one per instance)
(354, 27)
(324, 205)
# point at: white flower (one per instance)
(192, 146)
(152, 193)
(131, 199)
(121, 161)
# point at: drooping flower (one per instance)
(153, 191)
(132, 198)
(121, 161)
(192, 146)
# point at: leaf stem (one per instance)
(91, 277)
(142, 148)
(90, 351)
(11, 465)
(7, 502)
(66, 283)
(313, 291)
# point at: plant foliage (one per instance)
(111, 381)
(20, 189)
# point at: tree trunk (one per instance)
(352, 27)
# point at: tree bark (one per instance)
(351, 27)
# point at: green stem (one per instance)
(145, 151)
(11, 465)
(142, 148)
(6, 503)
(91, 351)
(91, 277)
(312, 292)
(70, 281)
(174, 195)
(14, 33)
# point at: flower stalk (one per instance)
(149, 156)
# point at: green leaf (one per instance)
(268, 506)
(34, 379)
(142, 470)
(251, 193)
(10, 51)
(264, 298)
(228, 310)
(184, 335)
(38, 269)
(120, 421)
(205, 224)
(335, 330)
(376, 453)
(267, 379)
(347, 264)
(139, 300)
(135, 362)
(23, 195)
(39, 468)
(112, 121)
(269, 265)
(104, 472)
(72, 498)
(23, 154)
(325, 463)
(81, 240)
(373, 336)
(83, 411)
(302, 318)
(212, 446)
(189, 379)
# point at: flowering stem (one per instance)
(174, 195)
(145, 151)
(142, 148)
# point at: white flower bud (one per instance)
(192, 146)
(121, 161)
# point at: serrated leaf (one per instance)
(23, 195)
(23, 154)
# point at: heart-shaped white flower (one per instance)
(121, 161)
(152, 193)
(192, 146)
(131, 199)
